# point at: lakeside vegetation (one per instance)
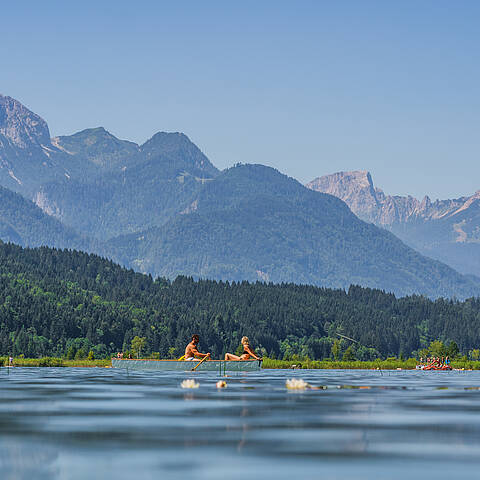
(379, 364)
(54, 362)
(268, 363)
(79, 307)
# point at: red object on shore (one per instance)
(433, 367)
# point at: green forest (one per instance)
(72, 304)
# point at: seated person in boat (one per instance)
(191, 352)
(247, 354)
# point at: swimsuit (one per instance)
(247, 354)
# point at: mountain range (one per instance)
(163, 208)
(447, 230)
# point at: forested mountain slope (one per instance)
(254, 223)
(57, 302)
(23, 223)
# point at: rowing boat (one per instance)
(182, 365)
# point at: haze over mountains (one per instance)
(163, 208)
(448, 230)
(25, 224)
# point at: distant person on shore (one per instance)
(191, 352)
(247, 352)
(10, 361)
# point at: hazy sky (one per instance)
(309, 87)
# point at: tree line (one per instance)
(72, 304)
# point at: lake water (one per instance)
(61, 423)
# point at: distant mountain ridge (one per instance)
(94, 182)
(370, 203)
(253, 223)
(164, 208)
(138, 187)
(448, 230)
(98, 148)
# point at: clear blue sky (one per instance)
(309, 87)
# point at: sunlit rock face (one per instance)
(448, 230)
(27, 156)
(20, 126)
(354, 188)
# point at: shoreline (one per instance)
(268, 364)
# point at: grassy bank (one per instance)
(268, 363)
(55, 362)
(389, 364)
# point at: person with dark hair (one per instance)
(191, 351)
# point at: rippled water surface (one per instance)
(60, 423)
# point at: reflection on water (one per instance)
(93, 423)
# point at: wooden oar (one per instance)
(199, 363)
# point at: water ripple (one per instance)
(59, 423)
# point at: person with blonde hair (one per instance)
(247, 352)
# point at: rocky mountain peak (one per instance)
(98, 146)
(370, 203)
(175, 146)
(21, 126)
(168, 143)
(355, 188)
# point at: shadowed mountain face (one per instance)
(23, 223)
(448, 230)
(163, 208)
(128, 187)
(254, 223)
